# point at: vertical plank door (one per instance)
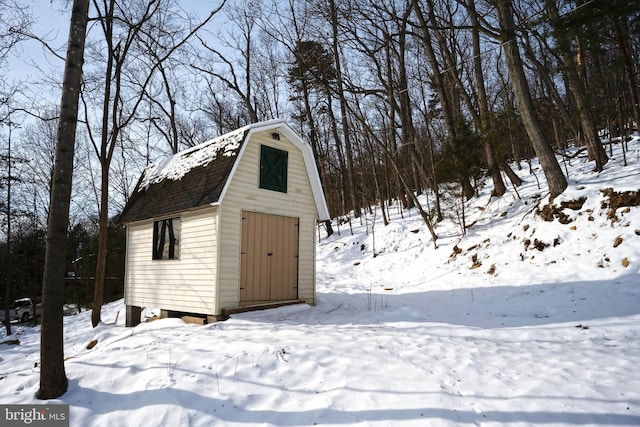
(269, 258)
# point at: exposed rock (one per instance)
(617, 242)
(539, 245)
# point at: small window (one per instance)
(166, 239)
(273, 169)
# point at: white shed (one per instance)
(227, 225)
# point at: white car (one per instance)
(21, 310)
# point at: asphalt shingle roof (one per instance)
(197, 185)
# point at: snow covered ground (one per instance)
(485, 330)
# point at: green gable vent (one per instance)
(273, 169)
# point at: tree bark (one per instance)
(556, 180)
(53, 379)
(513, 177)
(101, 256)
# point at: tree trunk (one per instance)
(594, 147)
(343, 112)
(445, 86)
(438, 79)
(498, 183)
(622, 33)
(376, 182)
(9, 276)
(101, 256)
(6, 309)
(53, 379)
(545, 72)
(556, 180)
(344, 187)
(407, 137)
(105, 161)
(513, 177)
(434, 182)
(174, 141)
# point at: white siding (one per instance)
(243, 194)
(186, 284)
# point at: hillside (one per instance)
(530, 318)
(517, 241)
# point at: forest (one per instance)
(396, 97)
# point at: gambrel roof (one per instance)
(200, 175)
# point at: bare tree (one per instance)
(39, 141)
(444, 79)
(556, 180)
(237, 73)
(7, 209)
(15, 22)
(483, 104)
(53, 379)
(346, 133)
(128, 73)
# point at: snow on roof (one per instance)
(178, 165)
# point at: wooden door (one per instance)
(269, 258)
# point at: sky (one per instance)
(517, 322)
(51, 24)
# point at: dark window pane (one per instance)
(273, 169)
(166, 239)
